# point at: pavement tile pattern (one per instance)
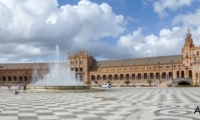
(112, 104)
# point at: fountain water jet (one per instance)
(60, 77)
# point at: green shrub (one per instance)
(96, 82)
(108, 81)
(127, 82)
(149, 81)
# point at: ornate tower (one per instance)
(188, 50)
(81, 63)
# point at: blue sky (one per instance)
(107, 29)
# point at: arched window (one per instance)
(81, 69)
(76, 69)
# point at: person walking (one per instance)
(8, 86)
(24, 88)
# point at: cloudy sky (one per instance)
(107, 29)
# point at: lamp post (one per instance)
(179, 71)
(159, 71)
(172, 63)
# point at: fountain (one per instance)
(60, 77)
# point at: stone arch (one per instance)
(164, 75)
(151, 76)
(145, 76)
(139, 76)
(190, 73)
(133, 76)
(25, 78)
(157, 75)
(121, 77)
(104, 77)
(177, 74)
(127, 77)
(98, 77)
(182, 74)
(81, 69)
(183, 83)
(110, 77)
(9, 78)
(4, 78)
(93, 77)
(115, 77)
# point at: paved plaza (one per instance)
(112, 104)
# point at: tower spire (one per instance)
(189, 40)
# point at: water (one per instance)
(59, 75)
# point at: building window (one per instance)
(186, 55)
(167, 66)
(197, 53)
(135, 68)
(142, 68)
(81, 69)
(174, 66)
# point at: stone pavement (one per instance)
(112, 104)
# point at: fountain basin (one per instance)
(71, 87)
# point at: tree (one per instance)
(108, 81)
(96, 82)
(149, 81)
(127, 82)
(2, 83)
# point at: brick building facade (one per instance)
(137, 70)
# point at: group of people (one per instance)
(19, 87)
(16, 91)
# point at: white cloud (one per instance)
(29, 30)
(169, 42)
(32, 28)
(160, 6)
(191, 20)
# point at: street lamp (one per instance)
(172, 63)
(179, 71)
(159, 71)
